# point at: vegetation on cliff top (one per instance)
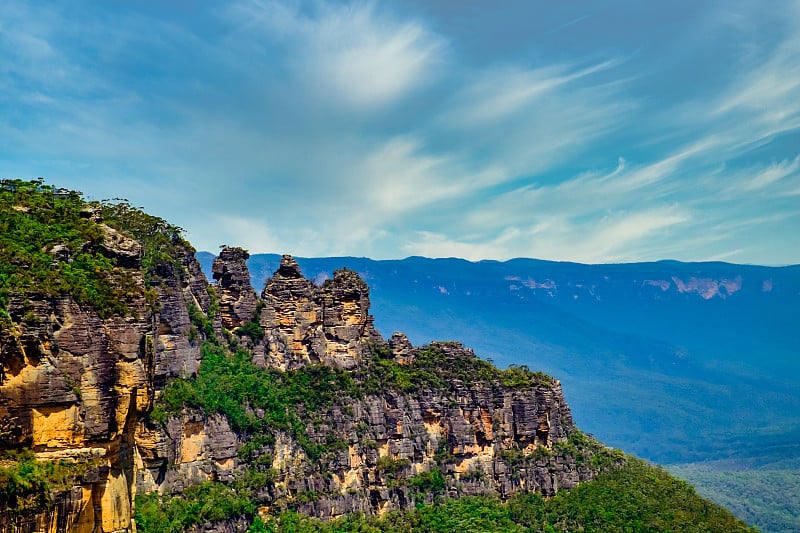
(433, 368)
(49, 241)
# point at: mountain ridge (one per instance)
(135, 395)
(728, 365)
(754, 321)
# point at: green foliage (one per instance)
(767, 496)
(162, 242)
(522, 377)
(36, 217)
(33, 219)
(252, 329)
(201, 321)
(230, 384)
(637, 497)
(392, 469)
(604, 457)
(198, 504)
(27, 485)
(430, 483)
(158, 414)
(258, 526)
(433, 368)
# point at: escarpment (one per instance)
(397, 425)
(347, 422)
(75, 386)
(124, 372)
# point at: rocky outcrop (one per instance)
(79, 387)
(237, 299)
(187, 450)
(306, 324)
(126, 251)
(484, 440)
(291, 318)
(75, 386)
(402, 350)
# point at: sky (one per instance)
(587, 131)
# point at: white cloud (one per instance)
(432, 244)
(370, 63)
(500, 92)
(757, 179)
(233, 230)
(763, 101)
(350, 54)
(399, 177)
(526, 121)
(617, 236)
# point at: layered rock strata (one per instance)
(80, 388)
(237, 299)
(485, 438)
(75, 386)
(306, 324)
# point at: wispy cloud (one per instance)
(615, 237)
(372, 129)
(775, 176)
(349, 53)
(498, 93)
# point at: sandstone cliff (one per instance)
(114, 402)
(482, 435)
(74, 387)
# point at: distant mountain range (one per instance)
(676, 362)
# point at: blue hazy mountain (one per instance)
(675, 362)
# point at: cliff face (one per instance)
(368, 452)
(480, 437)
(306, 324)
(83, 389)
(74, 386)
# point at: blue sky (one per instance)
(590, 131)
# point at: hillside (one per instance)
(703, 336)
(132, 389)
(677, 362)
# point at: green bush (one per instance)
(35, 217)
(252, 329)
(432, 368)
(198, 504)
(27, 485)
(230, 384)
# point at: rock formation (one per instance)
(80, 388)
(75, 387)
(237, 299)
(484, 437)
(306, 324)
